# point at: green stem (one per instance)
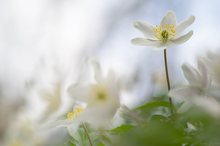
(87, 134)
(168, 80)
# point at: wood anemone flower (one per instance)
(163, 35)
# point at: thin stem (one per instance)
(168, 80)
(87, 134)
(166, 69)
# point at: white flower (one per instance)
(199, 83)
(199, 91)
(165, 34)
(23, 131)
(102, 96)
(100, 101)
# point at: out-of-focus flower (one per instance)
(199, 83)
(8, 110)
(102, 96)
(99, 101)
(165, 34)
(199, 91)
(52, 99)
(23, 132)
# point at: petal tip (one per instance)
(191, 19)
(170, 12)
(184, 65)
(133, 41)
(190, 34)
(136, 24)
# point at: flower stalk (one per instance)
(168, 80)
(87, 134)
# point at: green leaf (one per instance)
(159, 97)
(121, 129)
(154, 133)
(71, 143)
(153, 104)
(158, 118)
(101, 144)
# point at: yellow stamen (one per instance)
(70, 115)
(78, 109)
(165, 33)
(76, 112)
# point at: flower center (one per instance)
(76, 112)
(100, 93)
(165, 33)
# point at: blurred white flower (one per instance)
(101, 97)
(23, 132)
(8, 110)
(165, 34)
(97, 102)
(199, 83)
(199, 91)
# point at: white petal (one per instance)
(79, 92)
(184, 24)
(146, 42)
(185, 92)
(60, 123)
(111, 75)
(97, 71)
(182, 39)
(169, 18)
(72, 129)
(84, 74)
(191, 74)
(203, 72)
(111, 78)
(99, 116)
(145, 28)
(214, 91)
(209, 104)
